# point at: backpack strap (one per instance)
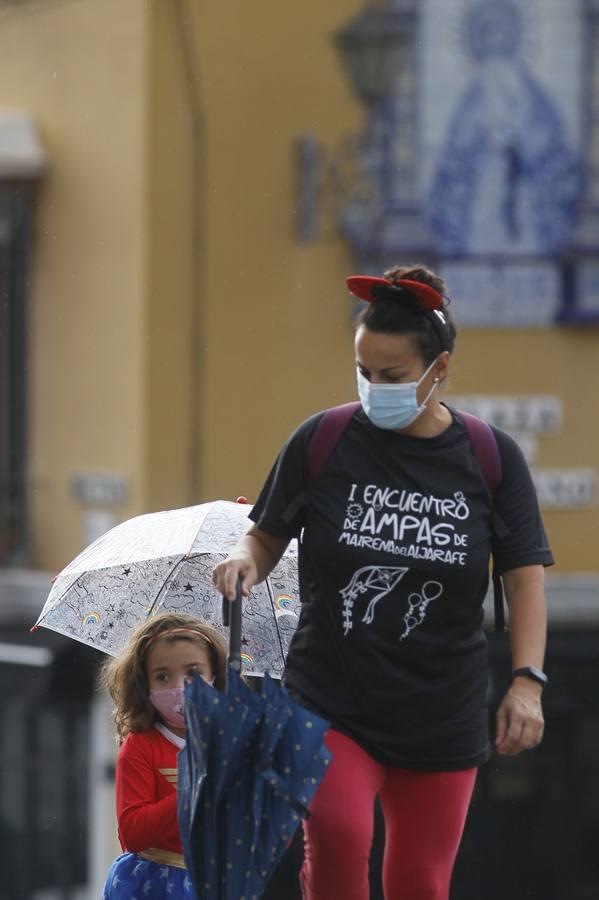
(485, 449)
(323, 441)
(487, 455)
(326, 435)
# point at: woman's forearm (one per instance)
(525, 593)
(520, 715)
(254, 557)
(264, 549)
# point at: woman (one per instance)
(396, 534)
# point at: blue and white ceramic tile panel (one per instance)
(501, 117)
(587, 235)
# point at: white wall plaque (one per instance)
(538, 413)
(100, 488)
(525, 418)
(565, 488)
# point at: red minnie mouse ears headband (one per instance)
(370, 289)
(430, 301)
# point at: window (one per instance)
(14, 243)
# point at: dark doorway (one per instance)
(15, 202)
(44, 774)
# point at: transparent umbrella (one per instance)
(162, 562)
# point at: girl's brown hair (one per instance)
(125, 677)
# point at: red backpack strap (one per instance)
(485, 449)
(331, 426)
(323, 441)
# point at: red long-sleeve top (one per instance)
(146, 793)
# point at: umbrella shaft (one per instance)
(232, 618)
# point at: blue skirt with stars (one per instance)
(132, 878)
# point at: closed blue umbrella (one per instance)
(250, 767)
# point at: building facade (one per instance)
(167, 321)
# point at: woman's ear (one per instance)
(441, 370)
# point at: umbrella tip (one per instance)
(33, 628)
(241, 499)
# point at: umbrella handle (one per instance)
(232, 620)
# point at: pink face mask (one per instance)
(170, 705)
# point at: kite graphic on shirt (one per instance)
(371, 583)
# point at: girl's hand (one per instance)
(239, 566)
(520, 723)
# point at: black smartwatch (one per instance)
(531, 672)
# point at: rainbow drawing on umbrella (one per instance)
(107, 590)
(247, 659)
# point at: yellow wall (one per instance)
(179, 330)
(79, 68)
(172, 423)
(274, 313)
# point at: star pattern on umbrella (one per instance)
(116, 591)
(289, 758)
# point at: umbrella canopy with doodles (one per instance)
(163, 562)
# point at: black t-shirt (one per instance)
(395, 540)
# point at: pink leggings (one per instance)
(424, 814)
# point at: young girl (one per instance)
(146, 683)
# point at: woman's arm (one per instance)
(253, 559)
(520, 717)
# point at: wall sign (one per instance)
(539, 413)
(527, 419)
(100, 488)
(566, 488)
(497, 293)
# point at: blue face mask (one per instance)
(392, 406)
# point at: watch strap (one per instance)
(531, 672)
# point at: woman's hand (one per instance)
(240, 566)
(254, 557)
(520, 722)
